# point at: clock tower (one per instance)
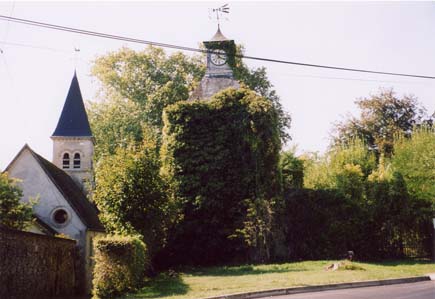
(219, 73)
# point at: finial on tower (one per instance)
(217, 15)
(219, 11)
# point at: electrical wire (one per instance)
(35, 47)
(345, 79)
(171, 46)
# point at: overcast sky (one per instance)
(383, 36)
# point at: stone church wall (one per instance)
(36, 266)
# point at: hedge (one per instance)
(324, 224)
(120, 265)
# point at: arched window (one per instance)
(76, 160)
(65, 161)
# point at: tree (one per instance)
(326, 172)
(257, 80)
(414, 159)
(138, 85)
(382, 117)
(292, 170)
(149, 78)
(131, 195)
(116, 123)
(13, 213)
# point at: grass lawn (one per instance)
(207, 282)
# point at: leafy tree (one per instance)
(322, 172)
(414, 159)
(257, 229)
(350, 182)
(138, 85)
(257, 80)
(292, 170)
(115, 123)
(149, 78)
(131, 195)
(13, 213)
(382, 117)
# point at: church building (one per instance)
(219, 74)
(60, 187)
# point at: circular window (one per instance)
(60, 216)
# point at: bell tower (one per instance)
(219, 73)
(73, 143)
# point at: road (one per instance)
(417, 290)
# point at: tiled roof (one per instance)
(72, 193)
(73, 120)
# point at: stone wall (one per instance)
(36, 266)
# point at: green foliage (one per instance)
(116, 123)
(323, 172)
(220, 154)
(257, 80)
(138, 85)
(385, 218)
(414, 159)
(257, 229)
(292, 170)
(350, 182)
(382, 117)
(396, 218)
(149, 78)
(320, 224)
(120, 265)
(13, 213)
(131, 195)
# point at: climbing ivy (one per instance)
(220, 156)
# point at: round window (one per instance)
(60, 216)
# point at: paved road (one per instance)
(416, 290)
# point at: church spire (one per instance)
(73, 121)
(218, 36)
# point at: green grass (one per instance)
(207, 282)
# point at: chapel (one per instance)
(61, 187)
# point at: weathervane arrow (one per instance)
(219, 11)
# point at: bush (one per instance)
(13, 213)
(320, 224)
(120, 265)
(131, 195)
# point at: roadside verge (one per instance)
(318, 288)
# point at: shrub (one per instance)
(131, 195)
(13, 213)
(320, 224)
(120, 265)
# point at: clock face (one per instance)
(218, 57)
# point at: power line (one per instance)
(345, 79)
(164, 45)
(34, 47)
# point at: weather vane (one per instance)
(218, 13)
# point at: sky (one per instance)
(37, 65)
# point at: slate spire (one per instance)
(73, 121)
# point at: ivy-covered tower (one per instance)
(220, 62)
(73, 143)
